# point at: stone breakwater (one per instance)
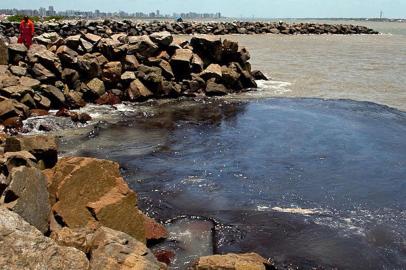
(67, 73)
(79, 213)
(107, 28)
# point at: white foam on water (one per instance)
(274, 87)
(297, 211)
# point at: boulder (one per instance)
(131, 63)
(116, 250)
(212, 71)
(42, 73)
(27, 195)
(90, 65)
(11, 108)
(7, 80)
(75, 100)
(137, 90)
(180, 63)
(55, 95)
(30, 82)
(85, 46)
(142, 46)
(42, 102)
(71, 78)
(88, 191)
(16, 91)
(16, 52)
(209, 48)
(112, 72)
(80, 239)
(73, 42)
(248, 261)
(3, 52)
(18, 71)
(22, 246)
(17, 159)
(38, 112)
(163, 39)
(44, 148)
(215, 89)
(113, 50)
(68, 57)
(231, 77)
(258, 75)
(92, 38)
(96, 87)
(108, 99)
(154, 231)
(166, 69)
(40, 54)
(197, 64)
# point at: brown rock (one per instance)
(112, 72)
(3, 52)
(180, 63)
(13, 123)
(163, 39)
(137, 90)
(212, 71)
(116, 250)
(22, 246)
(97, 87)
(44, 148)
(131, 63)
(11, 108)
(108, 99)
(215, 89)
(80, 239)
(43, 74)
(153, 230)
(142, 45)
(38, 112)
(249, 261)
(89, 191)
(17, 159)
(30, 82)
(75, 100)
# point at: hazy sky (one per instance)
(235, 8)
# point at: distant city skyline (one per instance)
(231, 8)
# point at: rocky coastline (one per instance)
(107, 28)
(79, 213)
(68, 73)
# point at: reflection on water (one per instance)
(308, 181)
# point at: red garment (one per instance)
(26, 33)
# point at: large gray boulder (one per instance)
(27, 195)
(22, 246)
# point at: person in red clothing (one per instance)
(26, 32)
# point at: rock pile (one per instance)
(82, 203)
(107, 28)
(79, 214)
(60, 73)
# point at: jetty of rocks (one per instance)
(107, 28)
(67, 73)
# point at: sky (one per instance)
(232, 8)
